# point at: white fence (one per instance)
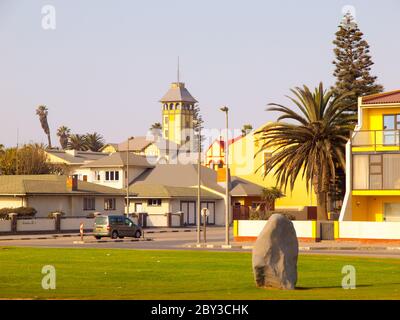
(251, 228)
(157, 220)
(36, 225)
(368, 230)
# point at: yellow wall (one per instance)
(371, 208)
(109, 149)
(243, 164)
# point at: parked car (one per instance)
(115, 226)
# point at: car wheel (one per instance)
(114, 234)
(138, 234)
(97, 237)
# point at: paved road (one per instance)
(179, 241)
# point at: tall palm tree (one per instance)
(42, 112)
(246, 129)
(77, 142)
(313, 143)
(94, 141)
(269, 195)
(63, 133)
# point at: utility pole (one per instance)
(227, 200)
(127, 177)
(198, 213)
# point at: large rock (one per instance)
(275, 254)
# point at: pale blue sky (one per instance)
(108, 63)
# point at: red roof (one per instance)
(381, 98)
(222, 142)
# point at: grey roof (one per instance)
(141, 142)
(76, 157)
(144, 190)
(180, 175)
(241, 187)
(50, 185)
(118, 159)
(115, 145)
(178, 93)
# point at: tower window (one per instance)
(171, 106)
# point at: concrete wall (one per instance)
(250, 229)
(5, 225)
(11, 202)
(367, 230)
(36, 225)
(156, 220)
(74, 223)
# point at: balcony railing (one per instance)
(377, 139)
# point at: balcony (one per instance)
(376, 140)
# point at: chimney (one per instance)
(72, 183)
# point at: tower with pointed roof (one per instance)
(177, 114)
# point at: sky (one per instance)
(107, 63)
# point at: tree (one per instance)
(63, 133)
(312, 143)
(269, 195)
(352, 63)
(1, 148)
(29, 159)
(155, 129)
(246, 129)
(197, 127)
(77, 142)
(94, 141)
(42, 112)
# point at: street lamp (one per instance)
(127, 176)
(198, 213)
(227, 202)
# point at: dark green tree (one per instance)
(352, 63)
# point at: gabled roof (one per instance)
(178, 93)
(74, 156)
(118, 159)
(382, 98)
(142, 142)
(144, 190)
(244, 188)
(50, 185)
(180, 175)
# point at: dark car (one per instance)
(115, 226)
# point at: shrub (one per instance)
(52, 216)
(22, 212)
(264, 215)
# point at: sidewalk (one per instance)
(306, 246)
(87, 234)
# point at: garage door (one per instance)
(189, 212)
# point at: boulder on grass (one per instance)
(275, 254)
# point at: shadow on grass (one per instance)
(332, 287)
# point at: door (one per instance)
(189, 212)
(327, 231)
(128, 228)
(138, 207)
(211, 208)
(392, 212)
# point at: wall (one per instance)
(157, 220)
(46, 204)
(346, 230)
(74, 223)
(11, 202)
(36, 225)
(5, 225)
(248, 230)
(370, 208)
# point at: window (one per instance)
(391, 125)
(154, 202)
(112, 175)
(97, 175)
(109, 204)
(89, 203)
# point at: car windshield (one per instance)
(100, 220)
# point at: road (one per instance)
(181, 240)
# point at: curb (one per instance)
(249, 247)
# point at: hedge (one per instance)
(22, 212)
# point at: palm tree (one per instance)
(94, 141)
(246, 129)
(42, 112)
(155, 129)
(313, 142)
(63, 133)
(2, 149)
(269, 195)
(77, 142)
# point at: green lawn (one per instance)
(139, 274)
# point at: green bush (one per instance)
(22, 212)
(52, 216)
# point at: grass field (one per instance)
(137, 274)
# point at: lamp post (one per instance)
(198, 213)
(227, 201)
(127, 177)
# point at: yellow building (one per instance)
(177, 114)
(246, 163)
(373, 161)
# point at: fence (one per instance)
(367, 231)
